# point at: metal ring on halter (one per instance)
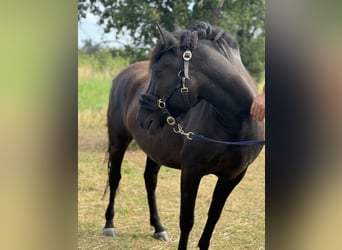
(170, 120)
(181, 74)
(161, 104)
(187, 55)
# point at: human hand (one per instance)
(258, 107)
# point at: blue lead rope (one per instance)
(178, 129)
(242, 143)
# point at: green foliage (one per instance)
(100, 58)
(243, 19)
(90, 48)
(131, 54)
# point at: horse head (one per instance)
(186, 66)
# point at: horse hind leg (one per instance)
(151, 178)
(116, 153)
(222, 190)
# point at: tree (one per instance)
(243, 19)
(89, 47)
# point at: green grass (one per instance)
(93, 94)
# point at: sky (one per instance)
(89, 29)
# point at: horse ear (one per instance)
(166, 37)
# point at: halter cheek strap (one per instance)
(189, 42)
(154, 102)
(186, 57)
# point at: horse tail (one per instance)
(108, 170)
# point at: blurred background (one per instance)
(39, 103)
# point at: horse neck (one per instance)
(225, 83)
(228, 93)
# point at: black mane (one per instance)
(225, 43)
(209, 32)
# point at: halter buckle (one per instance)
(184, 90)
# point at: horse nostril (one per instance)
(139, 120)
(141, 125)
(149, 123)
(145, 124)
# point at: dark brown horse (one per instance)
(194, 84)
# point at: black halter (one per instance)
(189, 42)
(154, 102)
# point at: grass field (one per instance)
(241, 226)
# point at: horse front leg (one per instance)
(190, 180)
(151, 178)
(222, 190)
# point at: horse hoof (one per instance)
(163, 236)
(109, 232)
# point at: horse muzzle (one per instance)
(148, 101)
(151, 121)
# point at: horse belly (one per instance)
(159, 152)
(232, 162)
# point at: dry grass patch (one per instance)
(241, 225)
(95, 119)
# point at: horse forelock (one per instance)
(188, 39)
